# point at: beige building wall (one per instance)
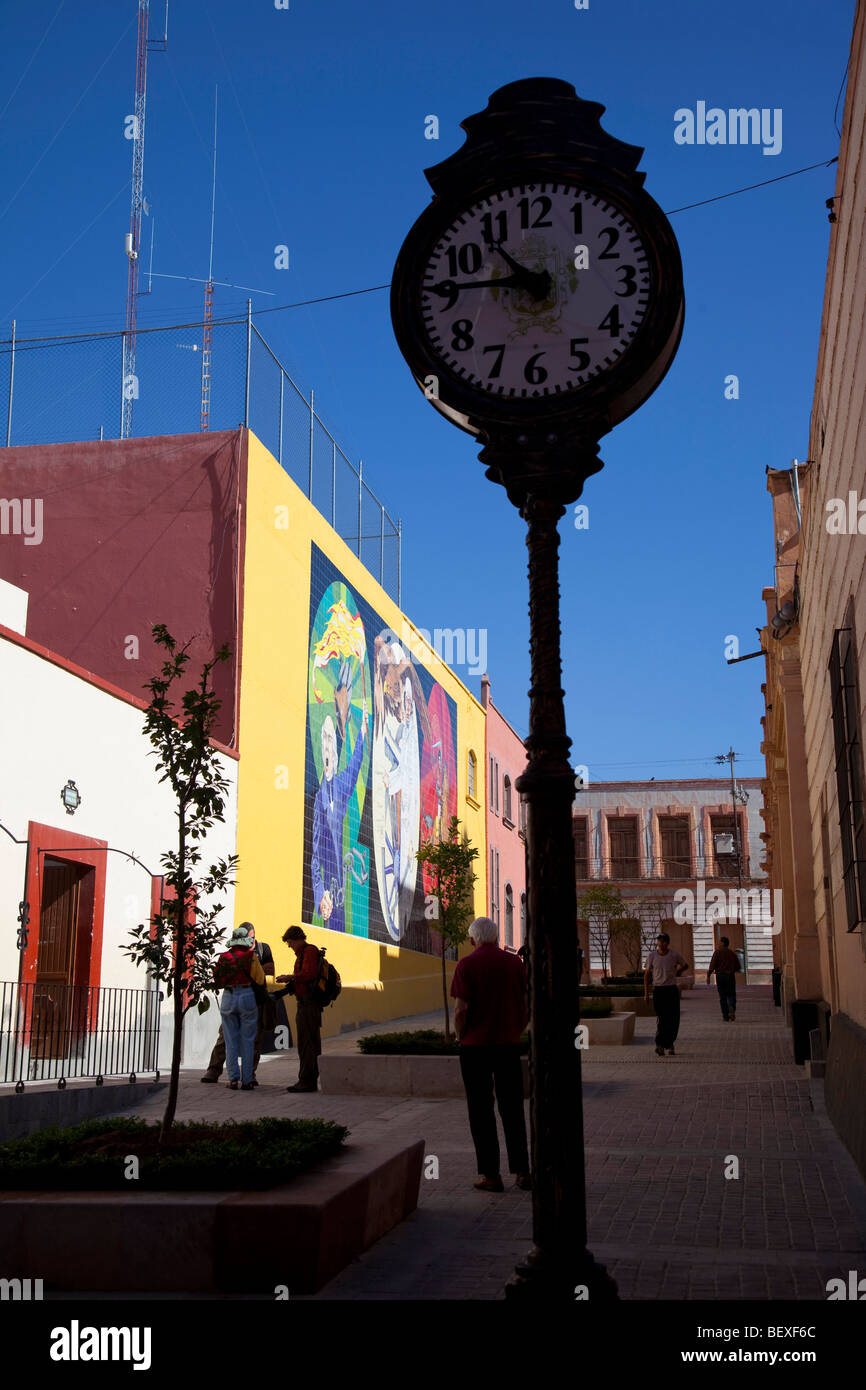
(822, 958)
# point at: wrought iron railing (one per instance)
(59, 1032)
(625, 868)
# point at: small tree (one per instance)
(655, 916)
(177, 944)
(450, 864)
(601, 906)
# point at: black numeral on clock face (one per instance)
(629, 284)
(462, 340)
(546, 205)
(501, 233)
(466, 258)
(611, 321)
(577, 214)
(496, 369)
(583, 358)
(533, 373)
(607, 254)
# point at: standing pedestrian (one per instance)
(490, 1014)
(302, 983)
(237, 969)
(663, 968)
(266, 1012)
(724, 965)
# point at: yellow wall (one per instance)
(379, 981)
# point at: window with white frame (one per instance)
(471, 773)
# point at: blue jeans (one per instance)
(240, 1017)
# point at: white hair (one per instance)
(484, 930)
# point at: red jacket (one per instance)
(305, 971)
(238, 966)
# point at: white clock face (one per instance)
(535, 290)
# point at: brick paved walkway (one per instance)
(662, 1215)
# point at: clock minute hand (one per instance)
(446, 288)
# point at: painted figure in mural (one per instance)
(399, 706)
(332, 799)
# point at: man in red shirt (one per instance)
(490, 1014)
(302, 983)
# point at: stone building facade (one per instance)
(815, 644)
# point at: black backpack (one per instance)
(328, 983)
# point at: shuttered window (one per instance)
(624, 862)
(676, 854)
(581, 847)
(849, 772)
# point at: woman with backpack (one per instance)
(236, 971)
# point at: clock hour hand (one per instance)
(536, 282)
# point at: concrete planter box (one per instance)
(299, 1235)
(631, 1003)
(616, 1030)
(360, 1074)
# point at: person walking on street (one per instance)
(302, 983)
(236, 971)
(218, 1056)
(663, 968)
(724, 965)
(490, 1014)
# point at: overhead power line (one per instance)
(374, 289)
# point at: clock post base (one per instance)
(585, 1280)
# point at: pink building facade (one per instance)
(505, 760)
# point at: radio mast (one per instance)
(133, 236)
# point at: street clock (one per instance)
(538, 300)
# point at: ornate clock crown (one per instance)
(537, 118)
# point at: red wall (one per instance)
(135, 532)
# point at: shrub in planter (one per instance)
(596, 1008)
(629, 991)
(423, 1042)
(249, 1155)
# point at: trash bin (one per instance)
(777, 986)
(804, 1017)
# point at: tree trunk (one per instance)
(179, 963)
(445, 992)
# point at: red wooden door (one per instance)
(55, 965)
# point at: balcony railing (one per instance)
(622, 869)
(58, 1032)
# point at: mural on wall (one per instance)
(374, 790)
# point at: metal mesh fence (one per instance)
(67, 389)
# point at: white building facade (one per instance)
(83, 825)
(679, 856)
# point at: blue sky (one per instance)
(322, 148)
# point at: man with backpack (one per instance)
(314, 983)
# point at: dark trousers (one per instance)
(484, 1068)
(726, 984)
(309, 1041)
(218, 1056)
(666, 1002)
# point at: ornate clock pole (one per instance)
(538, 301)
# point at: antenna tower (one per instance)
(133, 236)
(207, 324)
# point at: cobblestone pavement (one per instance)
(660, 1133)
